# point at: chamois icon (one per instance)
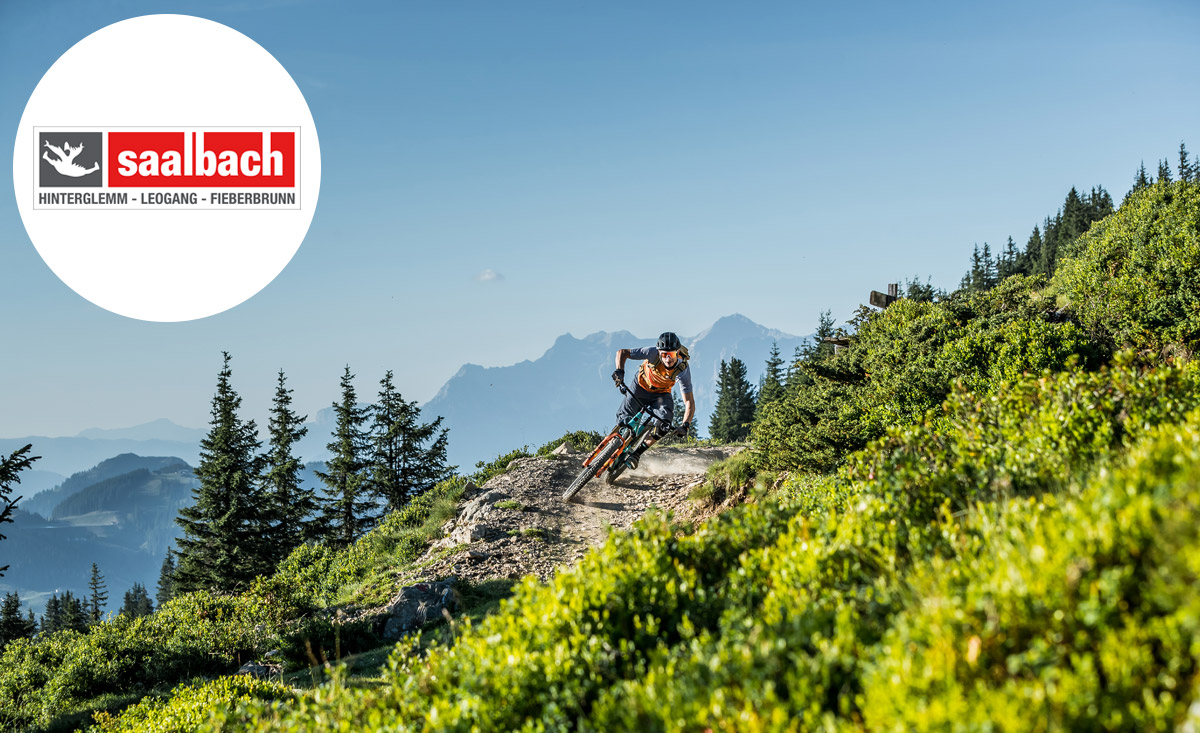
(66, 164)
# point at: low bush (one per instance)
(1131, 279)
(581, 440)
(188, 707)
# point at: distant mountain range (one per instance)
(65, 456)
(492, 410)
(119, 514)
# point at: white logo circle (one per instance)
(166, 168)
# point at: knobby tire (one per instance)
(589, 470)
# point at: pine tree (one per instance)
(1142, 180)
(1164, 171)
(74, 613)
(1074, 217)
(52, 616)
(293, 507)
(348, 509)
(974, 280)
(734, 412)
(823, 349)
(401, 464)
(1187, 170)
(770, 388)
(1033, 252)
(796, 377)
(990, 267)
(99, 595)
(921, 292)
(12, 624)
(166, 579)
(1008, 263)
(222, 546)
(10, 467)
(137, 602)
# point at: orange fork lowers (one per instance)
(611, 436)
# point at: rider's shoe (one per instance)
(631, 462)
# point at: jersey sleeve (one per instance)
(685, 380)
(644, 352)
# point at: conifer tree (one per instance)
(12, 624)
(734, 412)
(770, 388)
(74, 614)
(348, 509)
(973, 281)
(1142, 180)
(990, 267)
(1033, 252)
(98, 597)
(222, 545)
(52, 616)
(137, 602)
(1008, 263)
(293, 507)
(822, 349)
(166, 579)
(796, 376)
(1164, 171)
(10, 467)
(402, 464)
(921, 292)
(1187, 170)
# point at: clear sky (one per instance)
(639, 166)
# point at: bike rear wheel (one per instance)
(590, 470)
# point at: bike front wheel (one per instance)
(590, 470)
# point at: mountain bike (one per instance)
(615, 452)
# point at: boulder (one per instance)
(478, 508)
(564, 450)
(414, 606)
(261, 671)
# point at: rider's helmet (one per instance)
(668, 341)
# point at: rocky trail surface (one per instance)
(517, 523)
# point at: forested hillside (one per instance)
(981, 513)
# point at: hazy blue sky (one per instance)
(619, 166)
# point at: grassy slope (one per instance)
(1022, 557)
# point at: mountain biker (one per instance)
(662, 365)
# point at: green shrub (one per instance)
(581, 440)
(807, 612)
(902, 363)
(190, 707)
(1071, 611)
(1131, 279)
(497, 466)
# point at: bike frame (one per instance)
(637, 424)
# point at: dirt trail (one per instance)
(517, 523)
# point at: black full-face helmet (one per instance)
(668, 341)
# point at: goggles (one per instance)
(672, 354)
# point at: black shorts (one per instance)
(660, 403)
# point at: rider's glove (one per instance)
(682, 430)
(618, 376)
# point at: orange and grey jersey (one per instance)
(653, 376)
